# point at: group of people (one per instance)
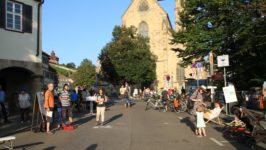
(23, 102)
(64, 106)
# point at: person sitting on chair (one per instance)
(211, 114)
(237, 124)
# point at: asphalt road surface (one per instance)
(130, 129)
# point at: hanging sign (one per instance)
(223, 61)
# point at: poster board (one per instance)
(38, 109)
(91, 98)
(229, 94)
(41, 102)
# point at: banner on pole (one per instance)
(230, 94)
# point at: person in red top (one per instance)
(49, 105)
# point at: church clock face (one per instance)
(143, 6)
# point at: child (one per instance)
(200, 131)
(236, 124)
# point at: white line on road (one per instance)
(217, 142)
(105, 127)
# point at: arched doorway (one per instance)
(13, 79)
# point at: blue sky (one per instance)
(79, 29)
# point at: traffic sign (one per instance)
(223, 61)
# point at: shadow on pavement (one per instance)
(83, 120)
(28, 146)
(188, 121)
(14, 128)
(113, 118)
(92, 147)
(50, 148)
(239, 140)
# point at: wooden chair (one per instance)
(216, 120)
(9, 139)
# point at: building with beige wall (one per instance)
(152, 21)
(194, 75)
(20, 47)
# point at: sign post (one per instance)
(223, 61)
(212, 88)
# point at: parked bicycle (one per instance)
(154, 103)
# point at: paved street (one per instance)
(129, 129)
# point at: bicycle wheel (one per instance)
(183, 106)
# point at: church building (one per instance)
(152, 21)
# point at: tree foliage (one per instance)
(127, 57)
(233, 27)
(71, 65)
(85, 75)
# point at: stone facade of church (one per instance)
(152, 20)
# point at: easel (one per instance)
(40, 110)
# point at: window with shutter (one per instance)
(27, 18)
(13, 16)
(16, 16)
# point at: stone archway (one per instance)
(13, 79)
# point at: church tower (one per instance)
(179, 4)
(152, 21)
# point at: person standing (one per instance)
(197, 98)
(2, 103)
(123, 94)
(24, 104)
(74, 100)
(165, 98)
(100, 111)
(66, 106)
(49, 106)
(200, 131)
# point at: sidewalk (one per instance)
(7, 129)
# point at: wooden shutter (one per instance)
(27, 18)
(2, 13)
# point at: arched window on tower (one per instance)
(143, 29)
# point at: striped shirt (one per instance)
(65, 98)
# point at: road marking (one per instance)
(228, 141)
(104, 127)
(166, 123)
(217, 142)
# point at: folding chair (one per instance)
(9, 139)
(216, 120)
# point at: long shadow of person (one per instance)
(189, 122)
(113, 119)
(92, 147)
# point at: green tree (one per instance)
(128, 57)
(233, 27)
(71, 65)
(85, 75)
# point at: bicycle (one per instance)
(154, 103)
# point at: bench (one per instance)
(9, 139)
